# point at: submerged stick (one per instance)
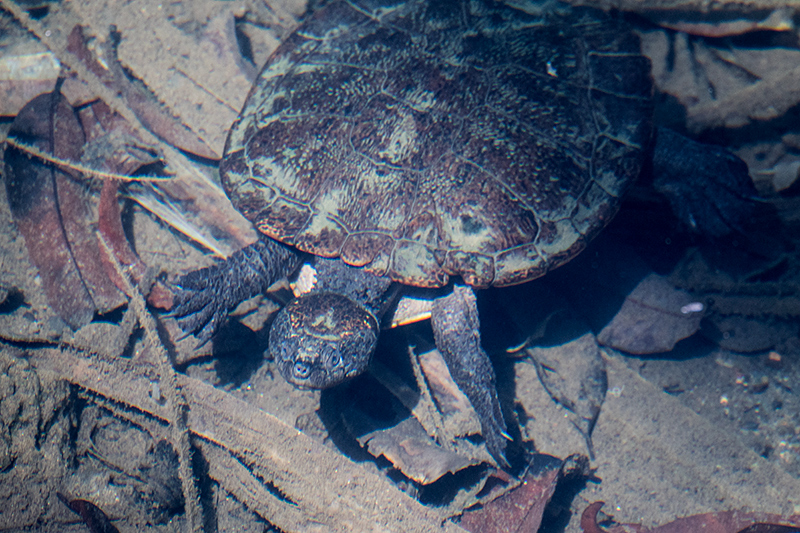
(178, 405)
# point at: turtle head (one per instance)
(320, 340)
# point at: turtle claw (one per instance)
(200, 307)
(495, 434)
(205, 297)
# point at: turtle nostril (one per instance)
(301, 369)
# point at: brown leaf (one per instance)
(380, 422)
(202, 203)
(653, 318)
(110, 228)
(94, 517)
(412, 451)
(460, 417)
(112, 146)
(521, 508)
(442, 415)
(722, 522)
(183, 59)
(51, 211)
(589, 518)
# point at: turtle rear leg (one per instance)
(456, 330)
(203, 298)
(708, 188)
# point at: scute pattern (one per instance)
(427, 138)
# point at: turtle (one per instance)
(440, 144)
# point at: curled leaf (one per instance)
(522, 507)
(411, 451)
(94, 517)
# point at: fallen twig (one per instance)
(175, 400)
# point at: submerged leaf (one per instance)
(411, 451)
(138, 98)
(51, 211)
(722, 85)
(574, 375)
(94, 517)
(721, 23)
(385, 427)
(722, 522)
(521, 508)
(654, 317)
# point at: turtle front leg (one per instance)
(203, 298)
(456, 329)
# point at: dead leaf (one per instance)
(460, 418)
(722, 85)
(202, 202)
(749, 334)
(441, 409)
(574, 375)
(723, 23)
(722, 522)
(51, 211)
(521, 508)
(94, 517)
(381, 422)
(110, 228)
(409, 448)
(138, 99)
(112, 146)
(174, 51)
(653, 318)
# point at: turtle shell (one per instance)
(423, 139)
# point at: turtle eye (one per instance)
(335, 360)
(301, 370)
